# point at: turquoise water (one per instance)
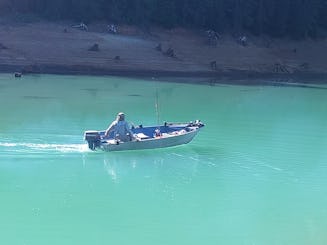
(256, 174)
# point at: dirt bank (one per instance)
(59, 48)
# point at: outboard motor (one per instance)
(93, 139)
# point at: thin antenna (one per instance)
(157, 105)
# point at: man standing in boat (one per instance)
(121, 129)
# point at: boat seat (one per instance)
(142, 136)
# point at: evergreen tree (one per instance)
(296, 18)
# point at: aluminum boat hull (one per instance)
(171, 134)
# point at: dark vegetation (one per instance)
(278, 18)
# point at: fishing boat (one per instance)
(151, 137)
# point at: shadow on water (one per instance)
(251, 82)
(35, 97)
(94, 91)
(272, 83)
(293, 84)
(206, 150)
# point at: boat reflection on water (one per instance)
(155, 164)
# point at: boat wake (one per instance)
(41, 148)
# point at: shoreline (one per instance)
(57, 48)
(232, 76)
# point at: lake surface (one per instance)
(256, 174)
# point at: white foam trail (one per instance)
(46, 147)
(8, 144)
